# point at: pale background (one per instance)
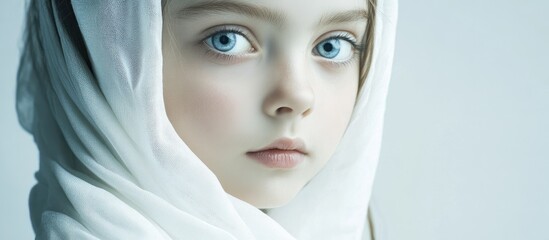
(465, 152)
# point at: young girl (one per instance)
(198, 119)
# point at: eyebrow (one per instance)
(263, 13)
(231, 7)
(342, 17)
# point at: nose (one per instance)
(292, 95)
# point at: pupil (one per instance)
(328, 47)
(224, 39)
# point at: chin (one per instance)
(271, 198)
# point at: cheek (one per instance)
(335, 103)
(209, 109)
(195, 106)
(206, 106)
(199, 108)
(337, 114)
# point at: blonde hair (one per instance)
(368, 43)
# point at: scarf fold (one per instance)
(113, 167)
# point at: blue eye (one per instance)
(335, 49)
(329, 48)
(229, 42)
(224, 41)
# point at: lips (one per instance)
(283, 153)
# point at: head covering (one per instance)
(113, 167)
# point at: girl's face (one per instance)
(240, 75)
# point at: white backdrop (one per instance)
(18, 154)
(466, 144)
(466, 147)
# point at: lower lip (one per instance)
(276, 158)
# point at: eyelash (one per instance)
(232, 58)
(357, 49)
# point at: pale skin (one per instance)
(253, 71)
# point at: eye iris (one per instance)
(224, 41)
(329, 48)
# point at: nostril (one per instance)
(282, 110)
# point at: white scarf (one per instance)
(113, 167)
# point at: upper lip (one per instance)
(289, 144)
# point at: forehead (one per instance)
(283, 12)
